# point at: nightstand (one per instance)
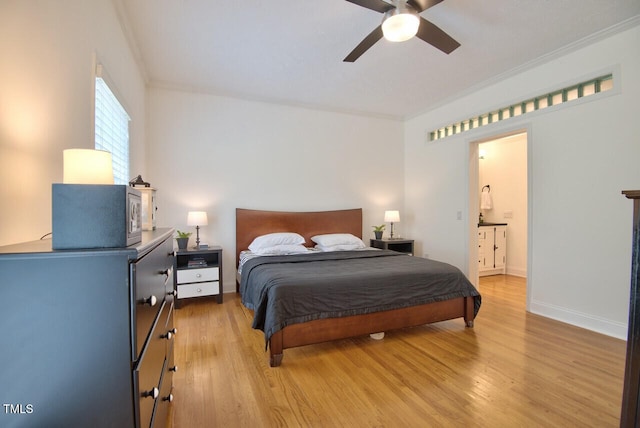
(198, 274)
(399, 245)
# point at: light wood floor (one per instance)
(513, 369)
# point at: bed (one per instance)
(343, 285)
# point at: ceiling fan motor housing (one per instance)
(400, 23)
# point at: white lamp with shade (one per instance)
(197, 219)
(87, 166)
(392, 216)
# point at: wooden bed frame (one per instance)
(253, 223)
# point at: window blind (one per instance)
(112, 130)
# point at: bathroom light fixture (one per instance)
(197, 219)
(392, 217)
(400, 23)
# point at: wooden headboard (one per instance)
(253, 223)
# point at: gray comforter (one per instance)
(284, 290)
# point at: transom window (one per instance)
(570, 93)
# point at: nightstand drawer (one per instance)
(198, 275)
(198, 289)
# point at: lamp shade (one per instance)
(197, 218)
(400, 23)
(86, 166)
(392, 216)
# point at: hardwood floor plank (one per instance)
(512, 369)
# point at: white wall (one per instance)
(504, 168)
(47, 51)
(217, 154)
(581, 155)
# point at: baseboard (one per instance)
(488, 272)
(517, 272)
(579, 319)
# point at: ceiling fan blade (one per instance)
(368, 41)
(422, 5)
(377, 5)
(433, 35)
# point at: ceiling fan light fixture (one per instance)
(401, 23)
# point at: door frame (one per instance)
(474, 199)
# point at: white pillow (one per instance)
(343, 247)
(277, 250)
(274, 239)
(333, 239)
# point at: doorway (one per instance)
(499, 191)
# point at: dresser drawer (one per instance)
(198, 275)
(152, 279)
(198, 289)
(161, 416)
(148, 371)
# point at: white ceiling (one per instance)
(291, 51)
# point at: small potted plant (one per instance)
(183, 239)
(377, 231)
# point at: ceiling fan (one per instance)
(401, 22)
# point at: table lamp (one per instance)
(197, 219)
(392, 217)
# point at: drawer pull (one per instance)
(153, 393)
(173, 369)
(168, 272)
(151, 301)
(170, 333)
(168, 398)
(198, 275)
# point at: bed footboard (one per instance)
(325, 330)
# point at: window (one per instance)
(112, 130)
(584, 89)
